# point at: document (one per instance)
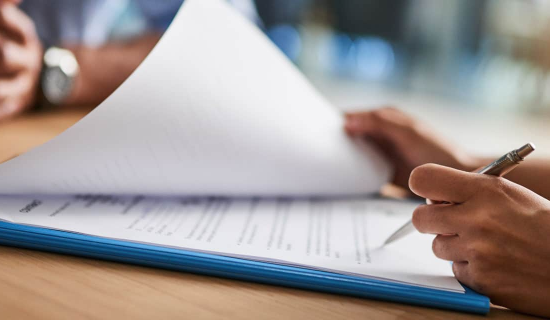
(216, 143)
(214, 109)
(337, 235)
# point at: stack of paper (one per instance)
(218, 144)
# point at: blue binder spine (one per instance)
(242, 269)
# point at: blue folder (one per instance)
(189, 261)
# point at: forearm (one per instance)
(533, 174)
(103, 69)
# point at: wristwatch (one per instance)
(59, 72)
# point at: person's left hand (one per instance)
(496, 232)
(20, 60)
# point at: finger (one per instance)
(389, 123)
(438, 219)
(359, 123)
(11, 87)
(450, 248)
(403, 169)
(461, 270)
(466, 274)
(397, 130)
(384, 145)
(8, 109)
(13, 57)
(10, 93)
(16, 22)
(440, 183)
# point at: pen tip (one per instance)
(526, 150)
(389, 240)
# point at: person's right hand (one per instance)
(495, 232)
(20, 60)
(406, 142)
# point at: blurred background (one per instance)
(485, 52)
(477, 70)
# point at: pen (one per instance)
(498, 168)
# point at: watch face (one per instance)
(56, 85)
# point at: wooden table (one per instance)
(50, 286)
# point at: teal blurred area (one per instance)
(485, 54)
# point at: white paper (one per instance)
(338, 235)
(214, 109)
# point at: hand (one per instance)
(496, 232)
(406, 142)
(20, 60)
